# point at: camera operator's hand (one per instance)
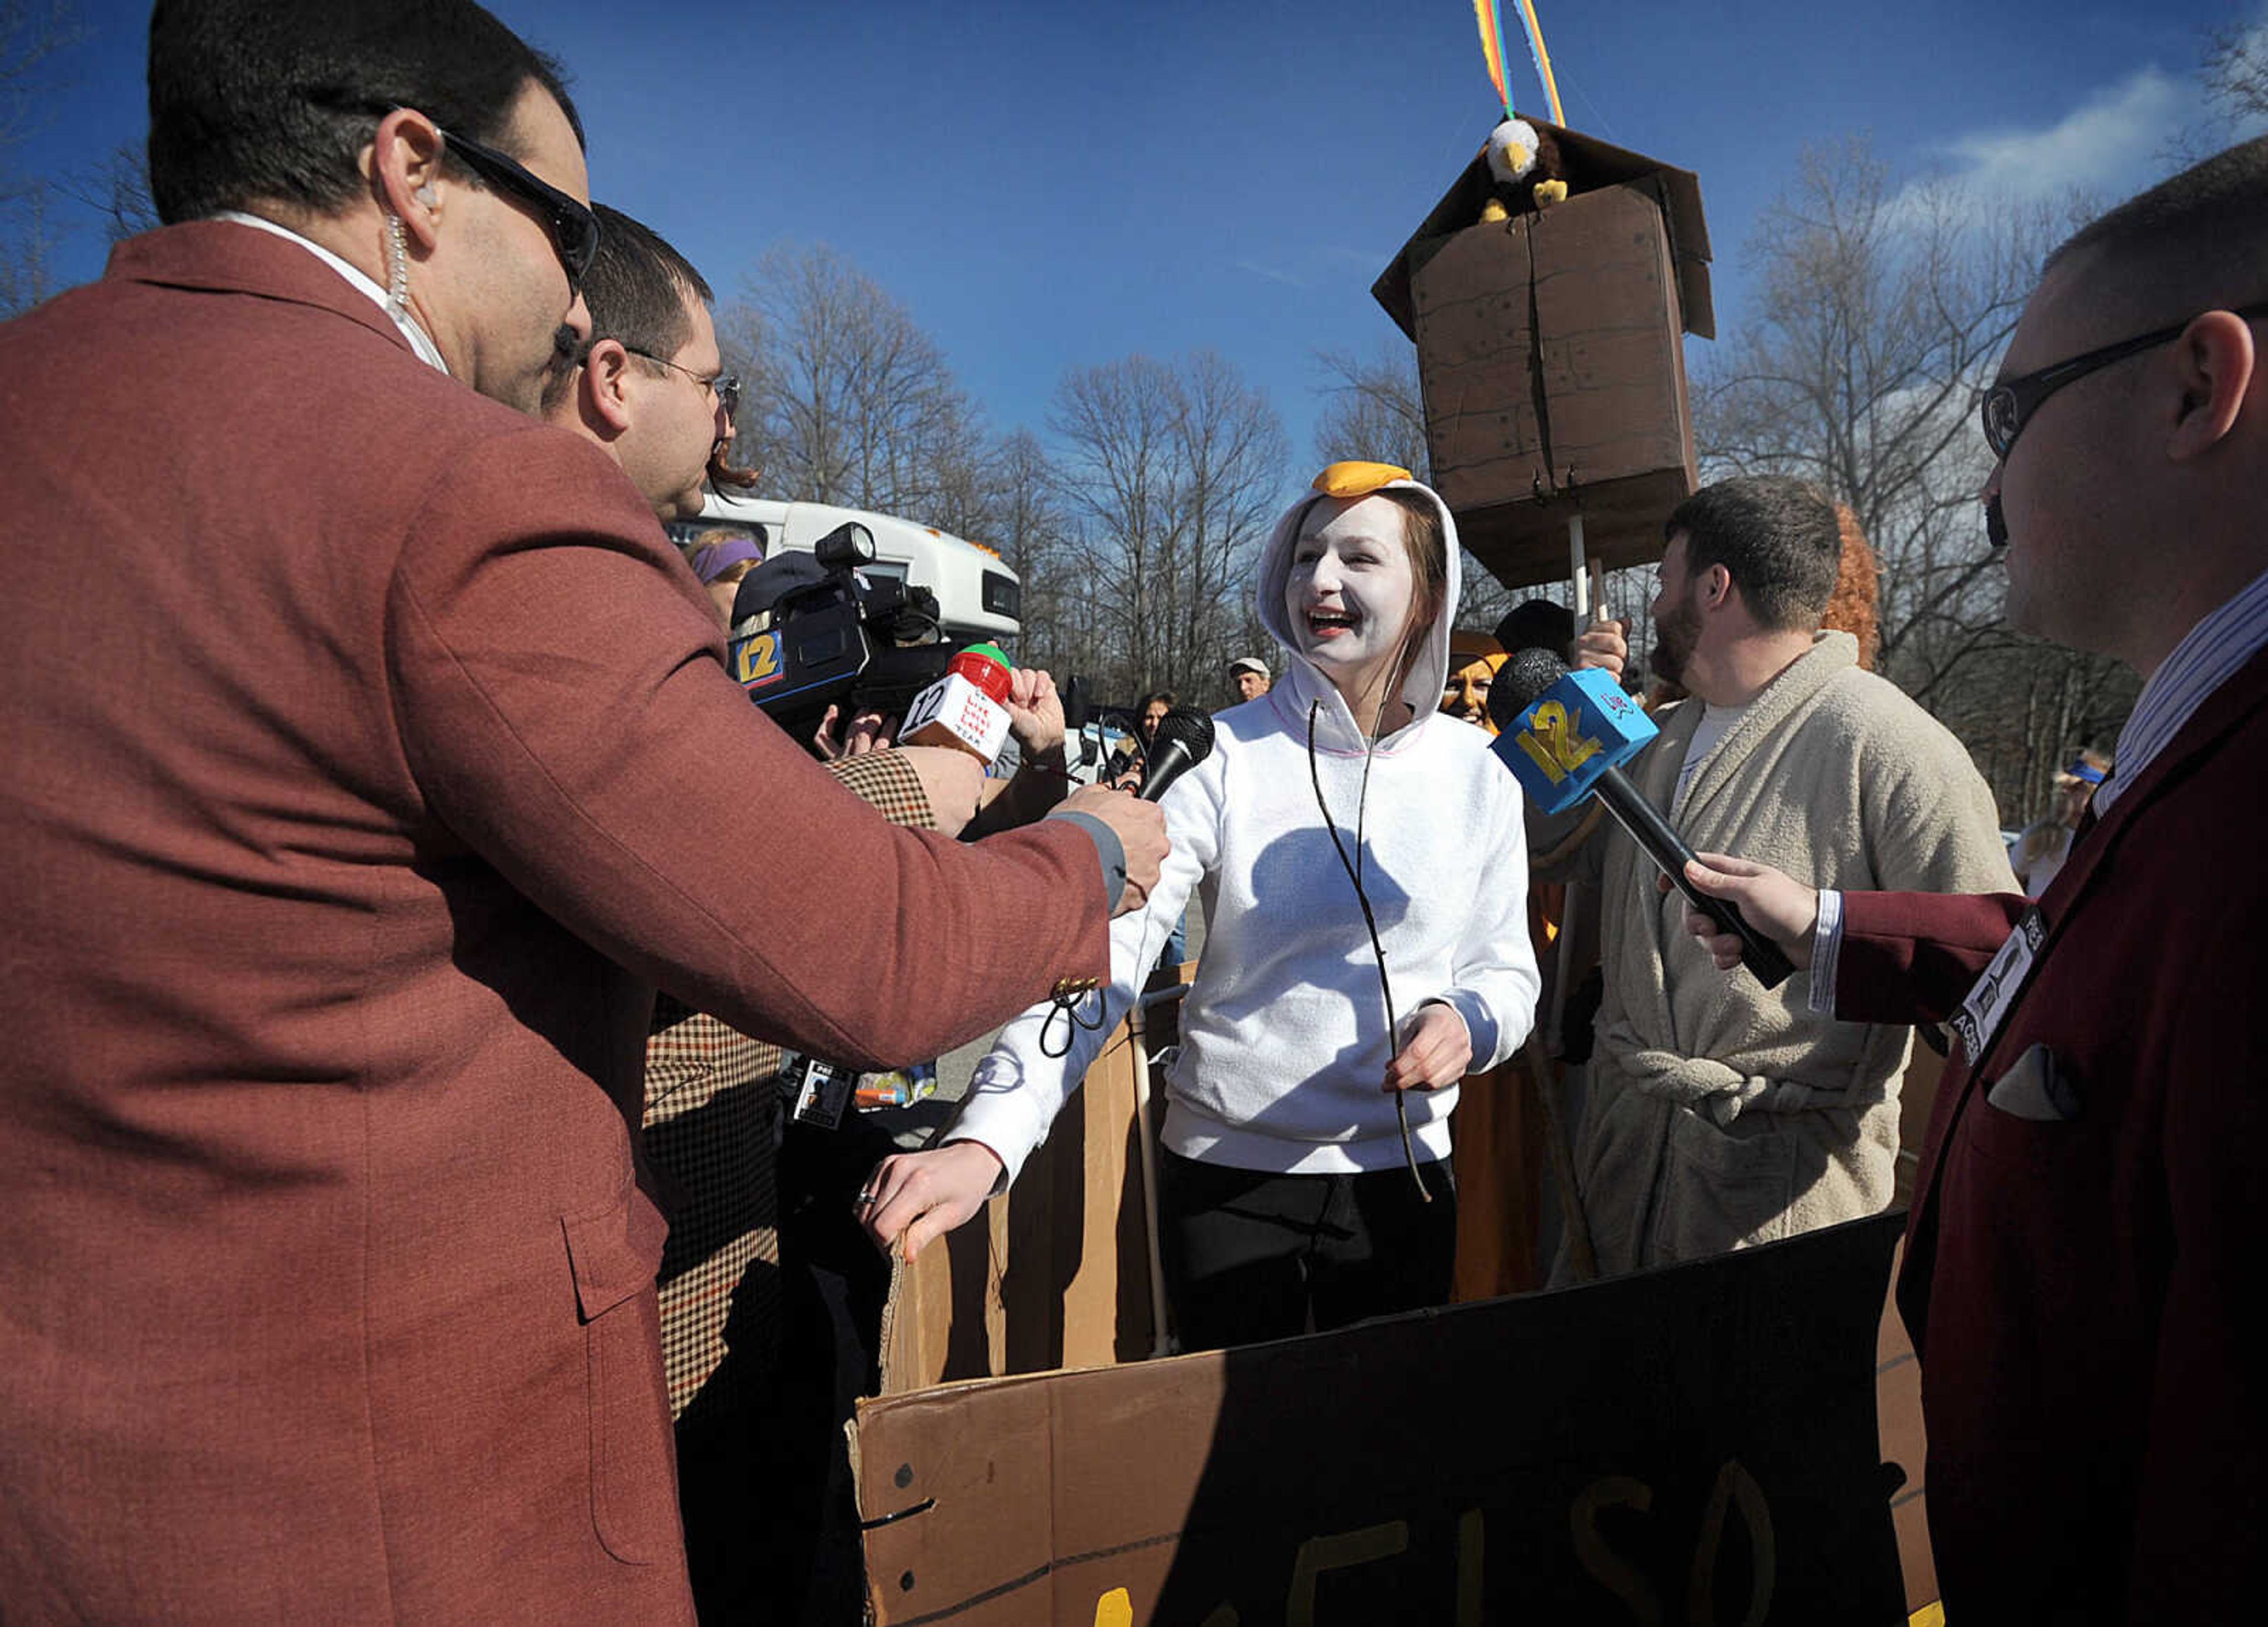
(952, 781)
(869, 731)
(1141, 827)
(919, 1195)
(1036, 713)
(1035, 717)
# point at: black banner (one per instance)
(1696, 1445)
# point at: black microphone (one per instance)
(1518, 684)
(1182, 740)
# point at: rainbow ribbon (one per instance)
(1492, 24)
(1492, 48)
(1542, 60)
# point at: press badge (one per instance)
(1980, 1015)
(822, 1091)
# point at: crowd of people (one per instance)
(409, 914)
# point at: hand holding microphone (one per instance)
(967, 710)
(1785, 909)
(1184, 739)
(1140, 828)
(1566, 735)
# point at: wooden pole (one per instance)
(1160, 1335)
(1578, 577)
(1581, 1256)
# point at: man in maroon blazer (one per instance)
(339, 864)
(2084, 1252)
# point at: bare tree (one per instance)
(30, 35)
(1170, 473)
(1116, 426)
(850, 401)
(1027, 522)
(118, 191)
(2235, 72)
(26, 244)
(1374, 409)
(1879, 312)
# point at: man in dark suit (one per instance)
(2085, 1234)
(340, 865)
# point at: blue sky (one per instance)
(1053, 185)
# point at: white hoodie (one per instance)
(1283, 1042)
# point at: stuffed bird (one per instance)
(1527, 167)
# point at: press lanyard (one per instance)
(2003, 984)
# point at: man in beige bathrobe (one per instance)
(1720, 1114)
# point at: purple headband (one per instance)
(712, 560)
(2082, 769)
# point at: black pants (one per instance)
(1250, 1256)
(771, 1521)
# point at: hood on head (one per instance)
(1421, 688)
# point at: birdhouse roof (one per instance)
(1591, 163)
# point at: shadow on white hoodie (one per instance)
(1284, 1036)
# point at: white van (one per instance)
(978, 597)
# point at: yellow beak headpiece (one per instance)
(1357, 479)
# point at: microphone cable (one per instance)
(1354, 868)
(1067, 1006)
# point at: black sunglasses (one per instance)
(2006, 406)
(574, 228)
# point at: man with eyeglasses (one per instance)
(746, 1430)
(649, 385)
(2084, 1249)
(339, 870)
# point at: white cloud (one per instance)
(2121, 138)
(2112, 145)
(1254, 269)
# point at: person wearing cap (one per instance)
(2040, 851)
(1352, 975)
(1248, 673)
(1537, 624)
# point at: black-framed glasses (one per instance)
(727, 385)
(2006, 406)
(574, 228)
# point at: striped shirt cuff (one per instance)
(1826, 947)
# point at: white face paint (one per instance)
(1347, 596)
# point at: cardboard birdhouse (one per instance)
(1549, 347)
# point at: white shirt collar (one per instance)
(420, 341)
(2213, 652)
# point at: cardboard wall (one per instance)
(1054, 1273)
(1694, 1444)
(1039, 1497)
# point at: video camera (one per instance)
(809, 631)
